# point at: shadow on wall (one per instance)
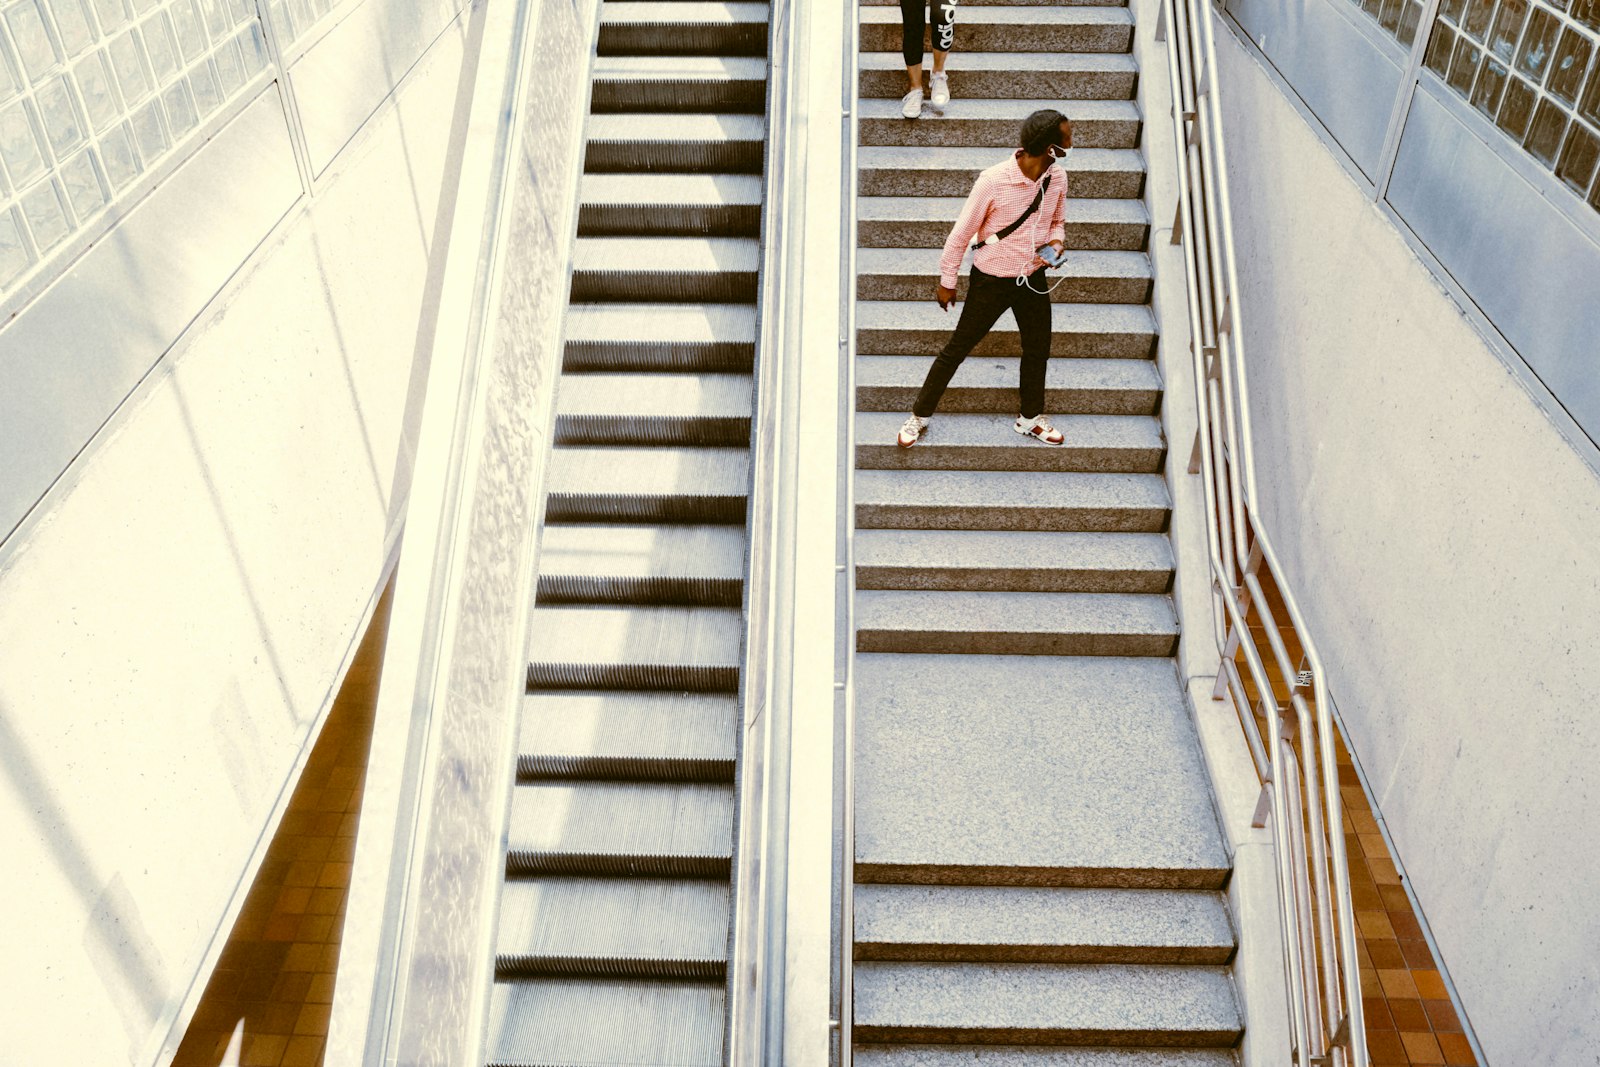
(268, 1001)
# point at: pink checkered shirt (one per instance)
(1001, 193)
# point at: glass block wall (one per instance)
(1530, 67)
(94, 93)
(1398, 17)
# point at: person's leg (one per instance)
(912, 27)
(1032, 310)
(944, 37)
(986, 302)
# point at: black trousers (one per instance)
(988, 298)
(912, 25)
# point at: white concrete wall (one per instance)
(1444, 540)
(175, 622)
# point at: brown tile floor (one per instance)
(268, 1001)
(1410, 1019)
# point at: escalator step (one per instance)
(656, 409)
(613, 927)
(655, 736)
(660, 337)
(642, 564)
(676, 27)
(648, 485)
(704, 205)
(675, 142)
(612, 647)
(660, 269)
(706, 84)
(680, 829)
(555, 1022)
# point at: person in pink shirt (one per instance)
(1015, 215)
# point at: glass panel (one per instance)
(230, 70)
(47, 216)
(1571, 62)
(10, 85)
(73, 25)
(203, 85)
(159, 46)
(59, 114)
(1507, 28)
(1464, 67)
(1491, 83)
(113, 16)
(1517, 108)
(1389, 14)
(280, 18)
(14, 257)
(129, 67)
(216, 19)
(1439, 49)
(1589, 106)
(1534, 55)
(143, 7)
(253, 49)
(1478, 16)
(150, 131)
(19, 144)
(1544, 137)
(1371, 7)
(99, 95)
(34, 46)
(1408, 23)
(180, 109)
(1452, 10)
(1578, 156)
(242, 10)
(191, 34)
(1586, 12)
(1594, 196)
(116, 152)
(84, 187)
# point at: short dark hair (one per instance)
(1040, 130)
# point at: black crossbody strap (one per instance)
(1011, 228)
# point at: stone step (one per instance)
(1015, 624)
(974, 442)
(654, 409)
(658, 269)
(606, 646)
(1044, 924)
(1018, 3)
(989, 384)
(1092, 173)
(676, 142)
(661, 830)
(687, 737)
(1038, 1056)
(682, 27)
(1016, 561)
(613, 927)
(640, 563)
(705, 84)
(617, 484)
(925, 222)
(659, 337)
(700, 205)
(994, 123)
(906, 328)
(999, 75)
(1012, 29)
(1089, 277)
(1073, 1004)
(1030, 770)
(1011, 500)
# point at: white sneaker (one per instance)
(1037, 428)
(912, 430)
(941, 91)
(911, 104)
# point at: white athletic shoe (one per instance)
(912, 430)
(1039, 429)
(911, 104)
(941, 91)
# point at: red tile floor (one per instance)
(268, 1000)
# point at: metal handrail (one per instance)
(845, 568)
(1299, 787)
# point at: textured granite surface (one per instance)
(1090, 276)
(994, 123)
(1010, 500)
(989, 384)
(1022, 624)
(1106, 1004)
(1030, 770)
(1014, 1056)
(1130, 443)
(1119, 331)
(997, 75)
(896, 171)
(1019, 29)
(924, 222)
(1021, 924)
(1024, 561)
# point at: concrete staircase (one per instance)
(1038, 862)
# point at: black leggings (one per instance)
(912, 24)
(988, 298)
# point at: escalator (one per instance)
(616, 911)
